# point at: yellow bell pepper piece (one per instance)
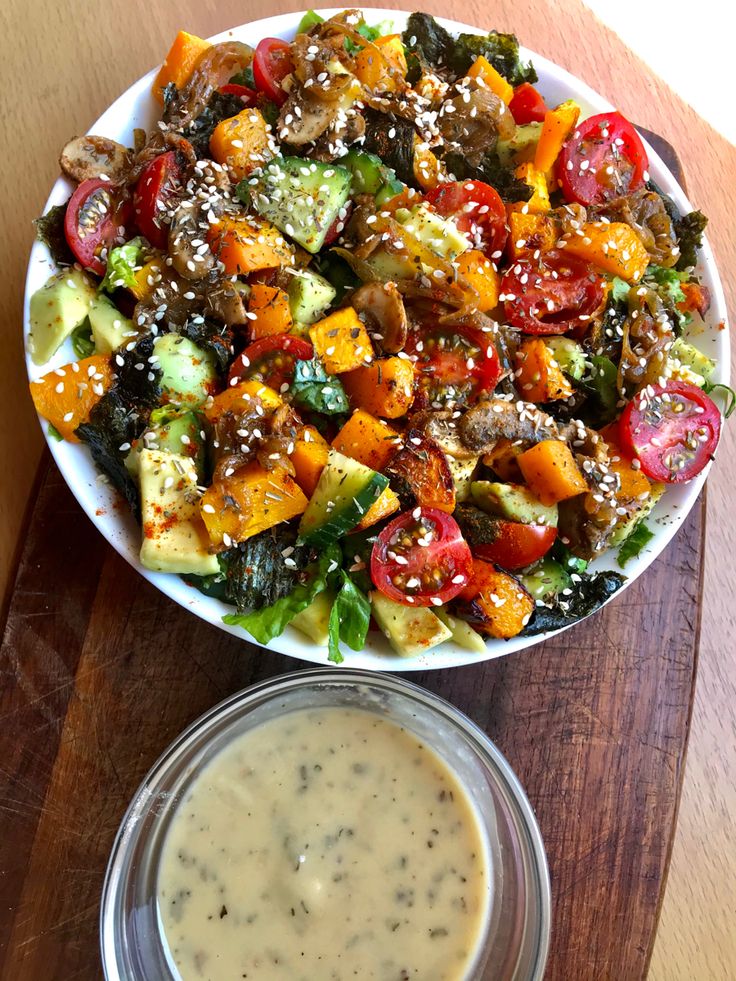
(557, 126)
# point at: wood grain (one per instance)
(56, 99)
(100, 672)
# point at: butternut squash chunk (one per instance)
(272, 312)
(241, 143)
(245, 245)
(384, 506)
(249, 502)
(482, 275)
(551, 472)
(368, 440)
(179, 63)
(384, 388)
(341, 341)
(613, 247)
(494, 602)
(482, 69)
(530, 233)
(538, 376)
(240, 398)
(557, 126)
(538, 203)
(66, 396)
(310, 454)
(383, 64)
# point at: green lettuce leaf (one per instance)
(271, 621)
(349, 619)
(122, 262)
(83, 343)
(636, 541)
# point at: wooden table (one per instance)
(101, 671)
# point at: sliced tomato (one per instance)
(454, 365)
(272, 62)
(249, 96)
(421, 558)
(95, 219)
(477, 210)
(271, 360)
(557, 294)
(159, 186)
(516, 545)
(672, 430)
(603, 159)
(527, 105)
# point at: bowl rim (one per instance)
(99, 504)
(195, 736)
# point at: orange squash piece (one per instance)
(179, 63)
(482, 275)
(341, 341)
(538, 376)
(147, 278)
(241, 143)
(381, 64)
(309, 458)
(557, 126)
(239, 398)
(384, 388)
(66, 396)
(272, 311)
(249, 502)
(550, 470)
(482, 69)
(245, 245)
(368, 440)
(613, 247)
(634, 485)
(382, 507)
(529, 233)
(538, 203)
(422, 466)
(499, 605)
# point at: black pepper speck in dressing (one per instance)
(326, 844)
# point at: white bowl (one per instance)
(137, 108)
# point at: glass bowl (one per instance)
(515, 939)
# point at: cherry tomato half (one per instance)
(271, 360)
(95, 218)
(158, 187)
(421, 558)
(515, 545)
(558, 294)
(454, 366)
(478, 211)
(271, 64)
(603, 159)
(527, 105)
(248, 96)
(672, 430)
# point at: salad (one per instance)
(364, 330)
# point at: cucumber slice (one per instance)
(462, 633)
(546, 580)
(346, 490)
(389, 190)
(568, 354)
(302, 198)
(188, 373)
(171, 431)
(309, 296)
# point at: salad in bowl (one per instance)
(365, 329)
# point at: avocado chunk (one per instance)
(462, 633)
(174, 535)
(309, 296)
(643, 511)
(522, 147)
(513, 502)
(110, 329)
(188, 373)
(56, 310)
(172, 432)
(568, 354)
(440, 235)
(694, 361)
(410, 630)
(314, 621)
(462, 475)
(546, 579)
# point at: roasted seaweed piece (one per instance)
(212, 337)
(396, 150)
(588, 595)
(689, 230)
(219, 107)
(427, 43)
(493, 172)
(138, 378)
(50, 231)
(502, 50)
(256, 570)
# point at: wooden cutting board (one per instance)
(101, 672)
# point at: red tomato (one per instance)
(160, 184)
(248, 96)
(95, 218)
(421, 558)
(454, 365)
(672, 430)
(271, 64)
(556, 295)
(517, 546)
(477, 210)
(271, 360)
(602, 160)
(527, 105)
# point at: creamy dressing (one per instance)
(324, 844)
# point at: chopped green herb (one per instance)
(726, 393)
(122, 263)
(634, 543)
(83, 343)
(54, 433)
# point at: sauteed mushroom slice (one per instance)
(85, 157)
(381, 307)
